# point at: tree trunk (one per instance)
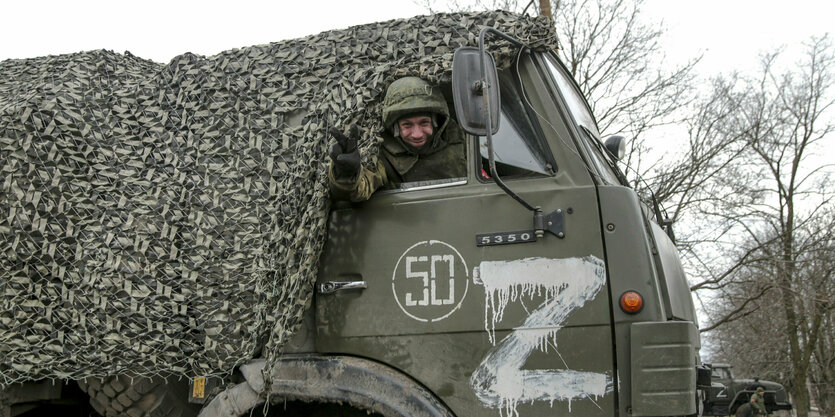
(545, 8)
(800, 394)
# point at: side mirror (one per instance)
(471, 93)
(616, 145)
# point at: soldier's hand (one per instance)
(344, 154)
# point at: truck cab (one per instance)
(449, 288)
(537, 284)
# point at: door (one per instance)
(461, 296)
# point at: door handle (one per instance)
(334, 286)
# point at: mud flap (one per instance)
(663, 368)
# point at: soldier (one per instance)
(758, 402)
(421, 143)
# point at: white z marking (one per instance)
(499, 382)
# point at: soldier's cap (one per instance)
(760, 389)
(411, 95)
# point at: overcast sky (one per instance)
(730, 33)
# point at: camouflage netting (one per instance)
(168, 219)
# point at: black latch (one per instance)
(553, 222)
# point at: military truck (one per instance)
(538, 284)
(731, 393)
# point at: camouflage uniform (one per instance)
(443, 156)
(758, 402)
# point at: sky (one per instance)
(730, 33)
(160, 30)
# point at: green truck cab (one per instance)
(445, 298)
(539, 284)
(730, 392)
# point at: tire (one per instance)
(744, 410)
(139, 397)
(312, 409)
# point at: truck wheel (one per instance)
(136, 397)
(316, 409)
(744, 410)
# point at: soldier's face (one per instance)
(416, 130)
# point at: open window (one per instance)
(518, 147)
(442, 180)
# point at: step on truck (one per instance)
(539, 284)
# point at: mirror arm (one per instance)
(493, 173)
(666, 223)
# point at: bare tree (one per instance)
(614, 53)
(774, 220)
(753, 342)
(822, 374)
(754, 333)
(689, 178)
(435, 6)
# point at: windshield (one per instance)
(722, 373)
(576, 104)
(604, 163)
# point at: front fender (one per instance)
(359, 382)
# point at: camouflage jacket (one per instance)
(758, 403)
(445, 157)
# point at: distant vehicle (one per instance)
(728, 393)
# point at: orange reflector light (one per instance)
(631, 302)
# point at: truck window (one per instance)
(585, 120)
(518, 146)
(440, 182)
(576, 104)
(721, 373)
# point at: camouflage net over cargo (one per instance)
(168, 219)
